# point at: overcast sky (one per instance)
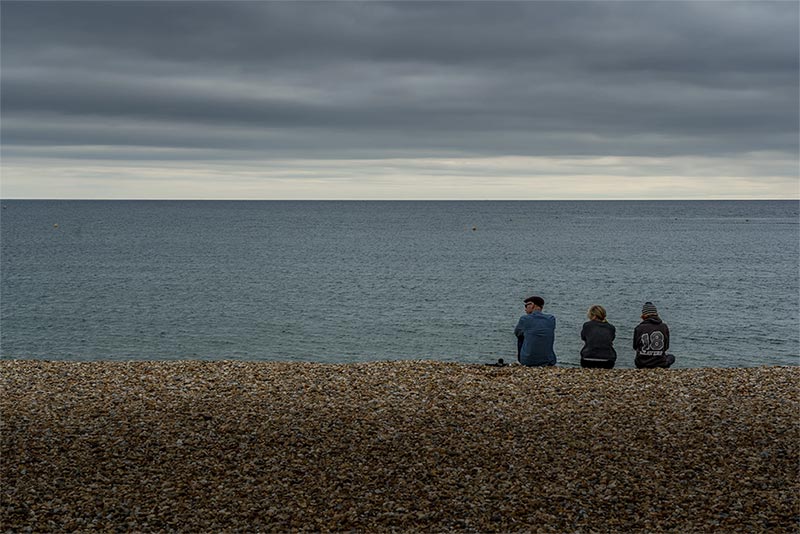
(407, 100)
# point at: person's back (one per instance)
(651, 340)
(598, 337)
(537, 331)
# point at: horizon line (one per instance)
(3, 199)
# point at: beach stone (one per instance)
(411, 446)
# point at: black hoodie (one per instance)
(651, 342)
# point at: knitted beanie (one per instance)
(649, 309)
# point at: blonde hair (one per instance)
(597, 312)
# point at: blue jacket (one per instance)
(538, 332)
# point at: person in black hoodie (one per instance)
(651, 340)
(598, 337)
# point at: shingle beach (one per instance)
(407, 446)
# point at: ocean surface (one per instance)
(360, 281)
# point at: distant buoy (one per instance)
(474, 228)
(55, 225)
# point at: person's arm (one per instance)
(518, 331)
(666, 337)
(583, 332)
(613, 332)
(636, 338)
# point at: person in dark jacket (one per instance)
(598, 338)
(651, 340)
(535, 333)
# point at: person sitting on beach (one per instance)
(651, 340)
(598, 338)
(535, 332)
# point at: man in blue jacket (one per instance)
(536, 332)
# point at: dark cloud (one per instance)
(681, 36)
(359, 79)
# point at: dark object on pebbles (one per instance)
(194, 446)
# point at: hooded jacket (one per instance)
(651, 342)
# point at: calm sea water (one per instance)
(357, 281)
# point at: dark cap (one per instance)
(539, 301)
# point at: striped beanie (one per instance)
(649, 309)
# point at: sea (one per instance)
(357, 281)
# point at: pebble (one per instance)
(404, 446)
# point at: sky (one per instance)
(400, 100)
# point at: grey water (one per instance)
(356, 281)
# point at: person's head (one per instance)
(597, 313)
(649, 310)
(533, 304)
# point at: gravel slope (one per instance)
(396, 446)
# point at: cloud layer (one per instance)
(287, 95)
